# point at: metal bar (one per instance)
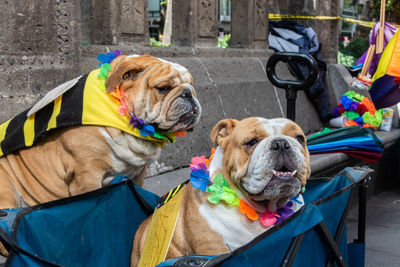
(292, 251)
(291, 104)
(327, 238)
(340, 229)
(362, 211)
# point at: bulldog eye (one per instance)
(300, 139)
(251, 143)
(164, 89)
(125, 76)
(130, 75)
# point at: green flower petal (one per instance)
(159, 135)
(221, 191)
(214, 198)
(219, 179)
(352, 115)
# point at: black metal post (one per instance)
(291, 95)
(362, 211)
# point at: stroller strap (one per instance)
(162, 227)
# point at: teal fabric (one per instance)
(97, 228)
(269, 248)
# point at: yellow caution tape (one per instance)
(369, 24)
(279, 16)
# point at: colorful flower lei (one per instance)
(145, 129)
(359, 109)
(221, 191)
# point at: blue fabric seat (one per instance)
(97, 229)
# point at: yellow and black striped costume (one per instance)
(86, 103)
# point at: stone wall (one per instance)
(39, 44)
(47, 42)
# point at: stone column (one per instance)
(249, 24)
(195, 23)
(134, 23)
(115, 22)
(39, 44)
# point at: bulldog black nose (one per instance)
(280, 145)
(186, 94)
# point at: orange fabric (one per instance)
(366, 125)
(394, 64)
(351, 123)
(369, 105)
(249, 211)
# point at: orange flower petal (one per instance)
(116, 93)
(242, 206)
(180, 134)
(252, 214)
(249, 211)
(212, 155)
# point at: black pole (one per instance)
(292, 250)
(362, 211)
(291, 95)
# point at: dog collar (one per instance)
(221, 191)
(145, 130)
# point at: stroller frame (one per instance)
(325, 235)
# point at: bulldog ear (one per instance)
(221, 131)
(120, 67)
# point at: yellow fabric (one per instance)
(95, 98)
(386, 58)
(160, 232)
(29, 130)
(3, 128)
(56, 110)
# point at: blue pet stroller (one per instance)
(97, 229)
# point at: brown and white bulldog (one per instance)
(78, 159)
(265, 161)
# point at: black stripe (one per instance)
(42, 118)
(163, 200)
(14, 139)
(72, 105)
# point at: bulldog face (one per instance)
(267, 160)
(159, 92)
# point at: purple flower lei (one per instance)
(145, 129)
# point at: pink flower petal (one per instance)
(197, 160)
(122, 110)
(268, 218)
